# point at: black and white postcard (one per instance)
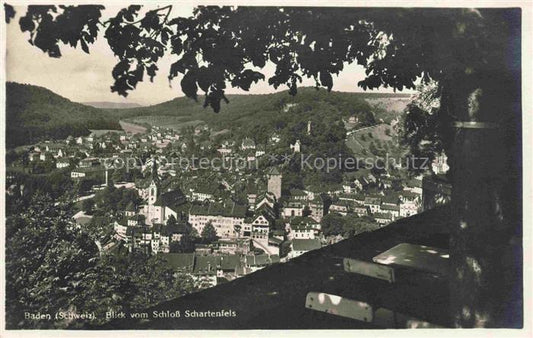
(183, 166)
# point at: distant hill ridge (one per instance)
(112, 105)
(34, 113)
(265, 110)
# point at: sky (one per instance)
(83, 77)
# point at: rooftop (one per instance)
(305, 244)
(274, 297)
(217, 209)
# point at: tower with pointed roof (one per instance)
(153, 188)
(274, 182)
(152, 192)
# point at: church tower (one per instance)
(152, 189)
(274, 183)
(152, 193)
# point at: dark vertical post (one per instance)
(485, 246)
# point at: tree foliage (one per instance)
(209, 233)
(217, 46)
(51, 266)
(45, 261)
(348, 226)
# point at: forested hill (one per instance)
(34, 113)
(111, 105)
(268, 110)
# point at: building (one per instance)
(205, 271)
(303, 228)
(293, 209)
(440, 164)
(373, 203)
(408, 208)
(415, 186)
(62, 163)
(265, 199)
(163, 235)
(224, 218)
(301, 246)
(251, 194)
(180, 262)
(296, 147)
(360, 210)
(274, 183)
(261, 223)
(393, 210)
(383, 217)
(203, 192)
(298, 195)
(256, 262)
(341, 207)
(301, 231)
(316, 207)
(247, 144)
(98, 173)
(170, 203)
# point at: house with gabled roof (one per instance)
(265, 198)
(300, 246)
(261, 222)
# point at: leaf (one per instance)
(9, 12)
(151, 71)
(188, 85)
(26, 24)
(204, 78)
(120, 68)
(245, 79)
(326, 80)
(293, 89)
(176, 45)
(84, 46)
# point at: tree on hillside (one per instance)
(45, 262)
(209, 233)
(332, 224)
(473, 54)
(355, 225)
(87, 205)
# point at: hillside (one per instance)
(111, 105)
(268, 110)
(387, 108)
(34, 113)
